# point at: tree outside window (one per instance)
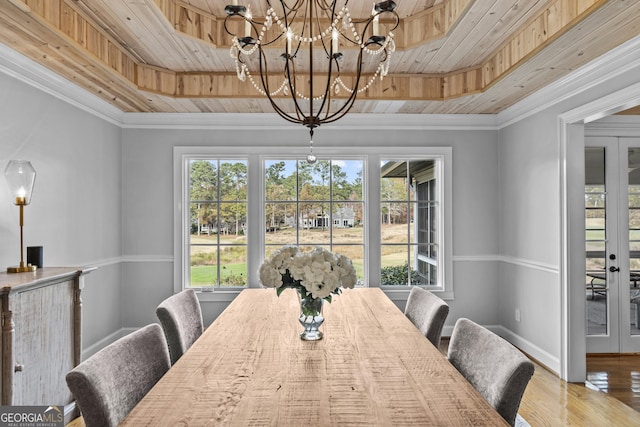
(218, 212)
(316, 204)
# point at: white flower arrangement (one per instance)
(320, 272)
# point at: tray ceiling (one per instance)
(453, 56)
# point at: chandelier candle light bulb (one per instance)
(289, 37)
(247, 22)
(376, 23)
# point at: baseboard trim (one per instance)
(540, 356)
(71, 411)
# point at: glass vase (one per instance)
(310, 316)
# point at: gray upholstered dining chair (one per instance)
(427, 312)
(498, 370)
(181, 318)
(110, 383)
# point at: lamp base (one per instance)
(22, 269)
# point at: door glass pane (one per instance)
(634, 239)
(595, 236)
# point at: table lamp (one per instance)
(20, 177)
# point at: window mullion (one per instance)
(373, 234)
(255, 216)
(440, 211)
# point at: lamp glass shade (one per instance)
(20, 177)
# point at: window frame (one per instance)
(256, 155)
(331, 202)
(218, 202)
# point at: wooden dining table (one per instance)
(373, 367)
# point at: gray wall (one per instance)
(529, 227)
(75, 212)
(148, 199)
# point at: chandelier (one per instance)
(310, 42)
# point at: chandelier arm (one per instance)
(330, 14)
(240, 60)
(327, 90)
(322, 4)
(289, 16)
(264, 77)
(225, 25)
(346, 37)
(346, 107)
(279, 110)
(290, 80)
(290, 75)
(264, 73)
(307, 16)
(268, 43)
(304, 20)
(296, 6)
(285, 115)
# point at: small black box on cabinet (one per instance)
(34, 255)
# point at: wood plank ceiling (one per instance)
(453, 56)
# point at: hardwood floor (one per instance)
(613, 402)
(549, 401)
(78, 422)
(618, 375)
(611, 396)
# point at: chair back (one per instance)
(111, 382)
(498, 370)
(427, 312)
(181, 318)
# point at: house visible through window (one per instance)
(318, 204)
(218, 222)
(385, 212)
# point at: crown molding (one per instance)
(623, 126)
(608, 66)
(622, 59)
(26, 70)
(271, 121)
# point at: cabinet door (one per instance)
(43, 344)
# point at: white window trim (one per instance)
(371, 194)
(335, 154)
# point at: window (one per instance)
(217, 223)
(409, 226)
(316, 204)
(385, 210)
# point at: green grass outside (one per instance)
(204, 275)
(204, 272)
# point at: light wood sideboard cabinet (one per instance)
(41, 335)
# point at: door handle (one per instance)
(614, 269)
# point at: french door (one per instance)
(612, 234)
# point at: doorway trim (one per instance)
(572, 246)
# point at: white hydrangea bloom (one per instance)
(320, 272)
